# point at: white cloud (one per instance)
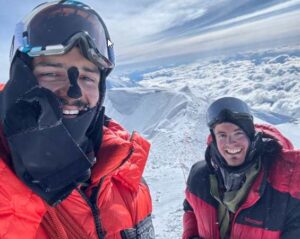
(134, 27)
(278, 29)
(259, 13)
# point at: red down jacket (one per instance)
(122, 203)
(270, 211)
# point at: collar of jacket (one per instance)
(121, 156)
(256, 190)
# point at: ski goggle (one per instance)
(227, 108)
(54, 28)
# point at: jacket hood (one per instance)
(272, 132)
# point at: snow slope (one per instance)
(168, 107)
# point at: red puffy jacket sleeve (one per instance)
(189, 222)
(21, 211)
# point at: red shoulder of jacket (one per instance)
(285, 171)
(122, 156)
(118, 130)
(2, 85)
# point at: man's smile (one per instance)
(233, 151)
(70, 112)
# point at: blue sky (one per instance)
(152, 31)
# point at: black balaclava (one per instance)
(50, 154)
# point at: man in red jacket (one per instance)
(248, 186)
(67, 170)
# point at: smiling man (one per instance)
(248, 186)
(67, 170)
(232, 143)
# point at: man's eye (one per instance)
(239, 133)
(221, 136)
(48, 74)
(88, 79)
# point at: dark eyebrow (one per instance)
(91, 70)
(223, 132)
(238, 130)
(60, 65)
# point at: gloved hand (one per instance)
(44, 154)
(38, 108)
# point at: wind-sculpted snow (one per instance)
(168, 107)
(147, 111)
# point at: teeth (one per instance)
(71, 112)
(233, 151)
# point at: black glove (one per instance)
(44, 154)
(143, 230)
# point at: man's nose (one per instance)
(74, 90)
(230, 139)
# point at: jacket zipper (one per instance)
(131, 150)
(92, 202)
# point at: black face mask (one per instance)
(50, 154)
(46, 155)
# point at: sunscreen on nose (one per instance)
(74, 90)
